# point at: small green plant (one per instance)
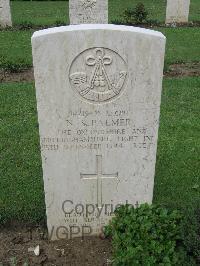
(140, 13)
(137, 15)
(128, 16)
(148, 235)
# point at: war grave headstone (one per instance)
(177, 11)
(5, 14)
(98, 91)
(88, 11)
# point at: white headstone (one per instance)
(98, 95)
(177, 11)
(5, 14)
(88, 11)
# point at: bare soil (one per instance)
(25, 75)
(175, 70)
(15, 243)
(184, 70)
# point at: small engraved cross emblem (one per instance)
(99, 177)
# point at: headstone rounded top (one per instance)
(97, 27)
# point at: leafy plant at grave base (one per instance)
(128, 16)
(137, 15)
(140, 13)
(152, 22)
(191, 231)
(148, 235)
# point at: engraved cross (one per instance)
(99, 176)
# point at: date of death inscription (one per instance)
(84, 130)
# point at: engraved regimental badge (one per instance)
(88, 3)
(98, 74)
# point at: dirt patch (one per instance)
(175, 70)
(184, 70)
(15, 242)
(30, 26)
(25, 75)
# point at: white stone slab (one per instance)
(177, 11)
(5, 14)
(88, 11)
(98, 95)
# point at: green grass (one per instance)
(183, 45)
(47, 13)
(177, 174)
(21, 194)
(155, 8)
(15, 49)
(39, 13)
(177, 181)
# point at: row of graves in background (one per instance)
(87, 11)
(98, 89)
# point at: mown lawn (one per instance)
(48, 13)
(15, 49)
(183, 45)
(21, 193)
(177, 181)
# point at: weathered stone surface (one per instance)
(177, 11)
(88, 11)
(5, 15)
(98, 95)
